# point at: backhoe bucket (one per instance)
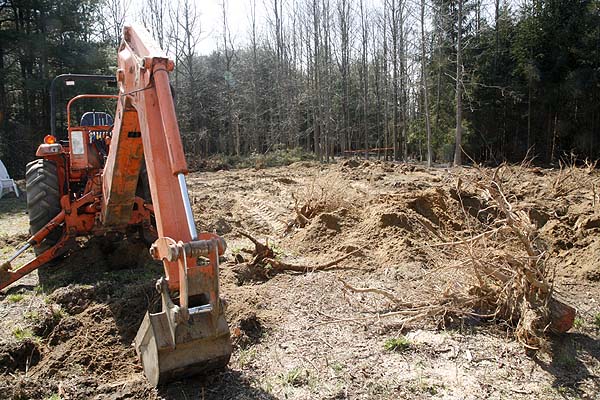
(186, 339)
(171, 347)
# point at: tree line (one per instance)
(431, 80)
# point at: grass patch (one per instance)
(578, 323)
(15, 297)
(337, 366)
(566, 361)
(568, 392)
(398, 344)
(247, 357)
(295, 377)
(22, 333)
(597, 321)
(57, 313)
(31, 315)
(423, 387)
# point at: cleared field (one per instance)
(307, 334)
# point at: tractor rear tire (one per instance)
(43, 200)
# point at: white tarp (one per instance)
(7, 185)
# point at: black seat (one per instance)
(96, 118)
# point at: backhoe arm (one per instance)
(190, 336)
(146, 127)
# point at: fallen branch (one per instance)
(385, 293)
(264, 262)
(259, 248)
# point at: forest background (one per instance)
(431, 80)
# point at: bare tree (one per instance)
(113, 22)
(364, 75)
(394, 28)
(184, 36)
(254, 42)
(402, 54)
(316, 16)
(155, 20)
(424, 84)
(459, 83)
(386, 113)
(344, 18)
(232, 115)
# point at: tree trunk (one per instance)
(365, 78)
(425, 89)
(459, 82)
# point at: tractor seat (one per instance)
(96, 118)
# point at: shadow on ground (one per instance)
(117, 273)
(103, 285)
(227, 385)
(10, 204)
(570, 354)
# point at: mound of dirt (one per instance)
(323, 224)
(74, 298)
(46, 320)
(438, 207)
(89, 324)
(392, 218)
(13, 241)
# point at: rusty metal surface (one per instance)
(122, 168)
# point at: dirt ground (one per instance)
(301, 335)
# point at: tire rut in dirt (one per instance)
(264, 217)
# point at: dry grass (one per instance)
(572, 176)
(326, 193)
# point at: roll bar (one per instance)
(70, 77)
(86, 96)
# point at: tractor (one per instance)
(121, 175)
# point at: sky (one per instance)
(211, 20)
(211, 17)
(238, 15)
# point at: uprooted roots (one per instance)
(515, 281)
(264, 263)
(507, 277)
(325, 193)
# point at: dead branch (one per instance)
(385, 293)
(261, 251)
(264, 261)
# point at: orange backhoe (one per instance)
(90, 186)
